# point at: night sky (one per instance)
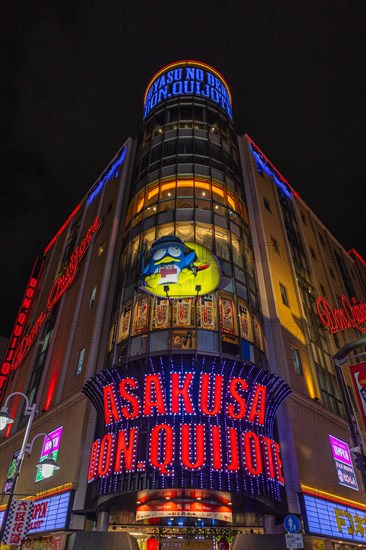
(73, 75)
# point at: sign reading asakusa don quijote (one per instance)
(171, 421)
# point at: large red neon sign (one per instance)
(59, 288)
(350, 315)
(173, 423)
(18, 329)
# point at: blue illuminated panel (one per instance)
(49, 514)
(98, 186)
(334, 520)
(187, 81)
(263, 166)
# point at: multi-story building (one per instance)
(177, 337)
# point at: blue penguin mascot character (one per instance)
(170, 262)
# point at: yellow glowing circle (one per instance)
(202, 278)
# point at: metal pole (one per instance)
(33, 412)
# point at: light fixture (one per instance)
(47, 466)
(5, 418)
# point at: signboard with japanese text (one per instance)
(18, 522)
(49, 514)
(46, 449)
(11, 473)
(184, 509)
(343, 463)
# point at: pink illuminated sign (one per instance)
(343, 463)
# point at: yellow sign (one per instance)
(318, 544)
(353, 524)
(175, 269)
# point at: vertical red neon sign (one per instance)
(18, 327)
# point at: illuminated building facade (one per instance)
(173, 332)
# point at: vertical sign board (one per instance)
(11, 473)
(343, 463)
(46, 449)
(19, 519)
(14, 340)
(359, 381)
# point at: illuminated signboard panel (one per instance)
(343, 463)
(359, 382)
(6, 365)
(210, 423)
(176, 269)
(46, 449)
(50, 514)
(187, 78)
(335, 520)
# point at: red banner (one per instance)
(359, 382)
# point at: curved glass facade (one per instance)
(187, 183)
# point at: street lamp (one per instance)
(47, 466)
(357, 444)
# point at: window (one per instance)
(92, 297)
(312, 252)
(322, 289)
(79, 367)
(296, 360)
(331, 273)
(284, 296)
(275, 245)
(267, 206)
(303, 218)
(321, 239)
(330, 392)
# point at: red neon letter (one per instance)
(105, 463)
(125, 454)
(198, 445)
(268, 456)
(111, 413)
(93, 461)
(205, 393)
(177, 391)
(216, 447)
(242, 409)
(258, 407)
(153, 386)
(161, 451)
(134, 409)
(251, 453)
(233, 450)
(278, 463)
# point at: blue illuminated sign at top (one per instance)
(187, 81)
(98, 186)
